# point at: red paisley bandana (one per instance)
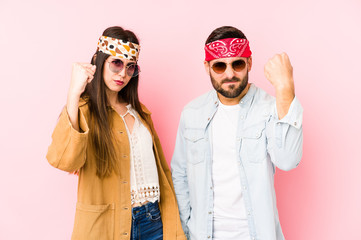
(228, 47)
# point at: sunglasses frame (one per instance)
(126, 67)
(231, 63)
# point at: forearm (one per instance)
(285, 137)
(180, 182)
(72, 109)
(279, 71)
(287, 154)
(82, 74)
(180, 179)
(284, 97)
(182, 195)
(67, 150)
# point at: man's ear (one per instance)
(206, 67)
(249, 60)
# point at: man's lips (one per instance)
(230, 82)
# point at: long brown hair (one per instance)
(101, 137)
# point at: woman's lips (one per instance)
(118, 82)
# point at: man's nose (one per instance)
(229, 73)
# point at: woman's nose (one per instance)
(122, 73)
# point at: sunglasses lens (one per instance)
(133, 70)
(116, 65)
(130, 69)
(219, 67)
(238, 65)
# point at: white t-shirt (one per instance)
(230, 218)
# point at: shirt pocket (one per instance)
(94, 222)
(254, 143)
(195, 145)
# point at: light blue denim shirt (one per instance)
(263, 143)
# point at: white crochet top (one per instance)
(143, 170)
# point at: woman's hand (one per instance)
(81, 75)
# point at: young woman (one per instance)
(106, 135)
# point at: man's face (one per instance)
(234, 79)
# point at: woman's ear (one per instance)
(94, 58)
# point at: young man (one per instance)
(229, 142)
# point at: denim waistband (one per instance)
(140, 211)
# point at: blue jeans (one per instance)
(146, 222)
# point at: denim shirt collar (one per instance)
(245, 102)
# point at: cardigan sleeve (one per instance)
(67, 150)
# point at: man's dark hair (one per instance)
(225, 32)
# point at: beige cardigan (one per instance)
(103, 210)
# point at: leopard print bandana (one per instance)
(118, 48)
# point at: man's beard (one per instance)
(233, 91)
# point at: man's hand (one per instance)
(278, 70)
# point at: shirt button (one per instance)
(209, 118)
(244, 187)
(295, 123)
(249, 213)
(124, 156)
(241, 102)
(209, 212)
(209, 236)
(125, 233)
(278, 124)
(211, 188)
(120, 132)
(125, 182)
(126, 208)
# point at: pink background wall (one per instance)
(321, 199)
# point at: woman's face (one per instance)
(114, 79)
